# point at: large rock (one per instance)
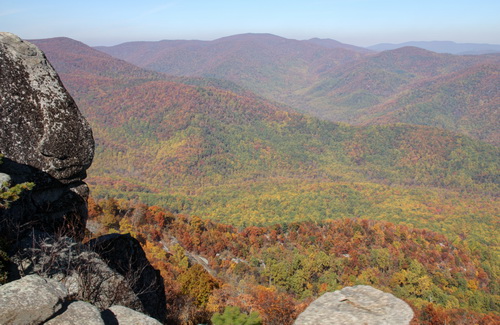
(30, 300)
(76, 313)
(44, 139)
(356, 305)
(41, 124)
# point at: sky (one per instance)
(357, 22)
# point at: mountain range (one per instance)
(338, 82)
(230, 155)
(314, 205)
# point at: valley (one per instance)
(338, 82)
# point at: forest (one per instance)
(270, 274)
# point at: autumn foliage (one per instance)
(278, 270)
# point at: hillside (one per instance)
(354, 88)
(333, 44)
(442, 47)
(241, 159)
(320, 77)
(461, 101)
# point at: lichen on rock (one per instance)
(41, 124)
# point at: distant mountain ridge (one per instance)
(260, 59)
(333, 44)
(324, 78)
(442, 47)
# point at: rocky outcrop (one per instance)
(78, 312)
(109, 270)
(86, 275)
(37, 300)
(356, 305)
(44, 139)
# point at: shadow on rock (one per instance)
(51, 206)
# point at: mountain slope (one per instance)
(302, 260)
(466, 101)
(333, 44)
(324, 78)
(355, 87)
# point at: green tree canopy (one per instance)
(233, 315)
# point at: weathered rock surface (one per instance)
(76, 313)
(84, 273)
(37, 300)
(44, 139)
(111, 270)
(126, 316)
(30, 300)
(41, 124)
(4, 179)
(356, 305)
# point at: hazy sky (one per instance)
(358, 22)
